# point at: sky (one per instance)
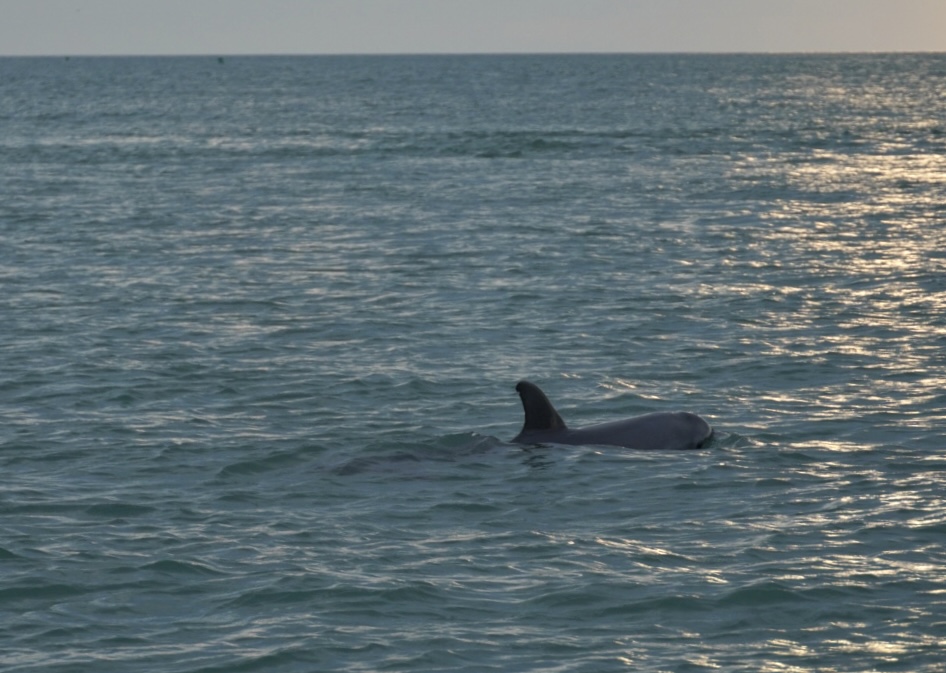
(229, 27)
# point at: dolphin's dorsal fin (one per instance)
(540, 414)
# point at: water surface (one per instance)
(263, 319)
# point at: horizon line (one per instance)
(209, 54)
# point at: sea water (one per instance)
(262, 319)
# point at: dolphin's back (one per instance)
(661, 430)
(654, 431)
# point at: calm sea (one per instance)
(262, 318)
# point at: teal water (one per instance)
(262, 322)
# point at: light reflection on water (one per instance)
(855, 270)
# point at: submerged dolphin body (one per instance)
(660, 430)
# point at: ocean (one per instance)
(263, 317)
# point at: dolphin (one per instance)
(661, 430)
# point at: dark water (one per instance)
(261, 322)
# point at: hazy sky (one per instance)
(74, 27)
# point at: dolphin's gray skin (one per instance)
(661, 430)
